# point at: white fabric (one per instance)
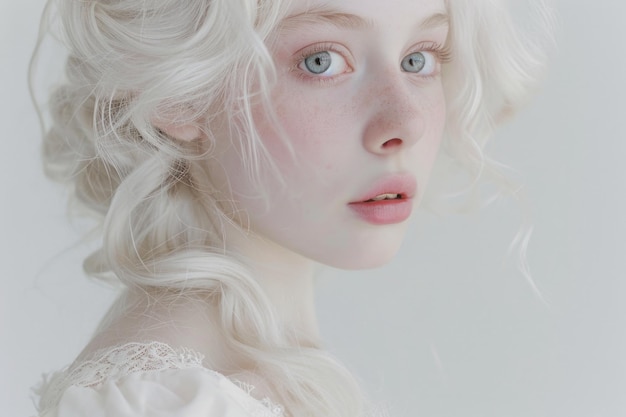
(148, 380)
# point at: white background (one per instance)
(450, 328)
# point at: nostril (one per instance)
(392, 143)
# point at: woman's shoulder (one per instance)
(147, 379)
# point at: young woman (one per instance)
(229, 146)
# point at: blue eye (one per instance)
(419, 63)
(318, 63)
(325, 63)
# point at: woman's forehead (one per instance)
(368, 10)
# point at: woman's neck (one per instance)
(193, 321)
(287, 279)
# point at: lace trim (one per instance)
(120, 361)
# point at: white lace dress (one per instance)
(148, 380)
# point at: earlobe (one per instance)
(184, 132)
(178, 127)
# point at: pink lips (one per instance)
(387, 211)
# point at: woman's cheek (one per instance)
(310, 126)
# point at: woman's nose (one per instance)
(395, 120)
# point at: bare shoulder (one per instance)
(182, 321)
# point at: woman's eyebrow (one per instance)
(324, 15)
(351, 21)
(435, 20)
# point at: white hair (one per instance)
(132, 60)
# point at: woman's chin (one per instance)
(365, 255)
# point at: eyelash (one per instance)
(442, 53)
(315, 49)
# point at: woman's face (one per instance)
(360, 99)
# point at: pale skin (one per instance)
(367, 117)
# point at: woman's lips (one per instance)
(384, 211)
(388, 201)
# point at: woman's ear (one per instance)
(178, 125)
